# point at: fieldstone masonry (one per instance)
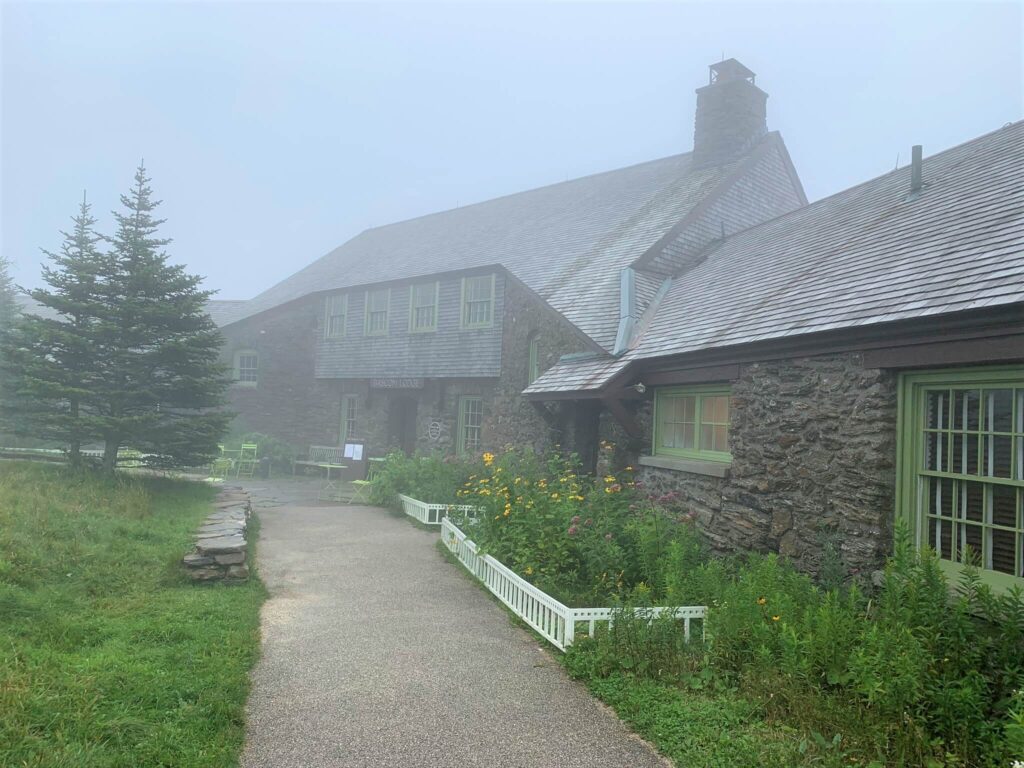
(813, 444)
(221, 547)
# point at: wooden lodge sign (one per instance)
(396, 383)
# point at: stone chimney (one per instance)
(730, 115)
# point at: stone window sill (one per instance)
(693, 466)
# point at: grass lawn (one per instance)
(108, 655)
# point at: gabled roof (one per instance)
(567, 242)
(866, 256)
(225, 311)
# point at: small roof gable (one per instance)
(225, 311)
(867, 255)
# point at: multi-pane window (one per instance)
(692, 422)
(247, 368)
(533, 363)
(477, 301)
(962, 444)
(336, 316)
(348, 417)
(377, 302)
(423, 307)
(471, 419)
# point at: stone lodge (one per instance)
(800, 374)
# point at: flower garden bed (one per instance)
(555, 622)
(431, 514)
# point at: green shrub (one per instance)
(583, 540)
(280, 453)
(431, 478)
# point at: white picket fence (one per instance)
(552, 620)
(432, 514)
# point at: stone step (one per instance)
(221, 545)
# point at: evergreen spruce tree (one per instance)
(8, 302)
(9, 311)
(50, 362)
(161, 380)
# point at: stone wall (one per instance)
(287, 401)
(513, 420)
(221, 547)
(813, 443)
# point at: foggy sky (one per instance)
(276, 132)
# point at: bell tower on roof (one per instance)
(731, 115)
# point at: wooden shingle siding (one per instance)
(447, 352)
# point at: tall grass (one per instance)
(108, 655)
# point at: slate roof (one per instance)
(865, 256)
(225, 311)
(578, 375)
(567, 241)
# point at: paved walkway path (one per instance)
(378, 653)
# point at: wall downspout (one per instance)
(627, 310)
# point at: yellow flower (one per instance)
(762, 600)
(629, 469)
(507, 511)
(488, 459)
(529, 570)
(496, 517)
(776, 618)
(609, 479)
(554, 496)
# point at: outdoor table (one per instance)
(330, 484)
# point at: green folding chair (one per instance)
(248, 459)
(222, 466)
(361, 488)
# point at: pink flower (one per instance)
(588, 521)
(575, 519)
(573, 530)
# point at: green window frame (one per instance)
(423, 300)
(960, 468)
(533, 361)
(348, 418)
(470, 428)
(335, 316)
(247, 368)
(692, 422)
(478, 301)
(378, 306)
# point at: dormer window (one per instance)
(377, 305)
(477, 301)
(336, 316)
(423, 307)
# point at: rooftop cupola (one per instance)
(730, 115)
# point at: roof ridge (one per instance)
(531, 190)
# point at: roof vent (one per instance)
(915, 173)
